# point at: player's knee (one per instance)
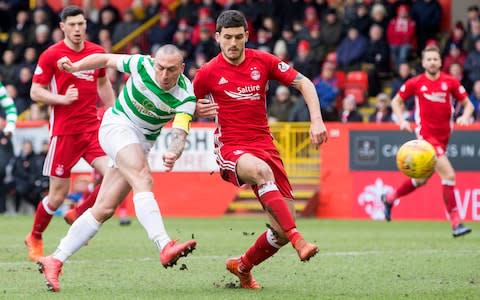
(263, 173)
(104, 213)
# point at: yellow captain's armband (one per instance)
(182, 121)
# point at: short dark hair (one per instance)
(431, 49)
(70, 11)
(231, 19)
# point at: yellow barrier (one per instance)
(301, 158)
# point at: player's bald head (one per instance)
(169, 50)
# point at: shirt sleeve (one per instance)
(280, 70)
(189, 101)
(128, 63)
(45, 69)
(458, 91)
(199, 84)
(407, 90)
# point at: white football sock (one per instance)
(148, 213)
(81, 231)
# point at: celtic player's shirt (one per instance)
(145, 103)
(8, 106)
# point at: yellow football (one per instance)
(416, 159)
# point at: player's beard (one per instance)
(433, 71)
(234, 57)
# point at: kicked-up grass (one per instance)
(357, 260)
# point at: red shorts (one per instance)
(439, 142)
(66, 150)
(227, 160)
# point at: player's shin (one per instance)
(148, 214)
(449, 200)
(264, 247)
(88, 201)
(81, 231)
(276, 205)
(43, 216)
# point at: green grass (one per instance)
(358, 260)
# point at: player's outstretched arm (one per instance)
(318, 131)
(468, 109)
(397, 108)
(92, 61)
(105, 91)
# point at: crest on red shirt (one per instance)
(444, 86)
(255, 74)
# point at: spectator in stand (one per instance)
(57, 35)
(207, 44)
(377, 57)
(317, 47)
(36, 112)
(216, 8)
(351, 50)
(188, 10)
(21, 104)
(181, 40)
(427, 15)
(331, 29)
(310, 18)
(204, 20)
(16, 43)
(349, 110)
(8, 69)
(454, 55)
(23, 82)
(349, 12)
(457, 37)
(281, 105)
(456, 70)
(362, 19)
(290, 40)
(303, 62)
(475, 99)
(280, 50)
(378, 15)
(271, 26)
(473, 34)
(108, 20)
(30, 58)
(114, 13)
(472, 64)
(404, 73)
(6, 155)
(152, 8)
(24, 172)
(401, 36)
(23, 25)
(125, 27)
(326, 85)
(473, 13)
(264, 40)
(42, 38)
(383, 110)
(299, 112)
(40, 17)
(163, 32)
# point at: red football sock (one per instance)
(257, 253)
(450, 203)
(43, 216)
(88, 201)
(404, 189)
(275, 204)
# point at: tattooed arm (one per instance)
(318, 132)
(175, 149)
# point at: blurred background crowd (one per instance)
(357, 53)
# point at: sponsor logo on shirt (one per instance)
(85, 75)
(249, 92)
(436, 97)
(283, 67)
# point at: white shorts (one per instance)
(117, 132)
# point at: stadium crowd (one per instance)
(357, 53)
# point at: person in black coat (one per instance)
(6, 154)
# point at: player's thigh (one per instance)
(63, 153)
(253, 170)
(112, 192)
(444, 168)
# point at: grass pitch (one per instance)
(357, 260)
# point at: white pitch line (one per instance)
(221, 257)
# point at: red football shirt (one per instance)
(240, 94)
(81, 115)
(433, 102)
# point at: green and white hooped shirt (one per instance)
(145, 103)
(8, 106)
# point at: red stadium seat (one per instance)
(357, 84)
(358, 93)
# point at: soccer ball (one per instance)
(416, 159)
